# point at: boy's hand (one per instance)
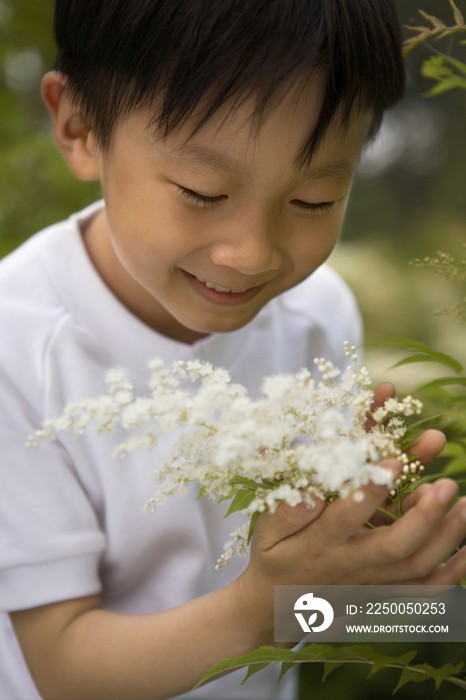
(428, 446)
(330, 545)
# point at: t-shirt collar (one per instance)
(127, 339)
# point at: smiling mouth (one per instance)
(218, 288)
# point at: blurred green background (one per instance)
(409, 200)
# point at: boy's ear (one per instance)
(72, 135)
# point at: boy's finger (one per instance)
(408, 502)
(287, 520)
(382, 392)
(437, 548)
(345, 516)
(428, 446)
(414, 497)
(406, 535)
(449, 574)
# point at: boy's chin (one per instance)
(221, 323)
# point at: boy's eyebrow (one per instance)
(194, 152)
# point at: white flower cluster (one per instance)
(304, 439)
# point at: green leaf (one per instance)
(242, 499)
(409, 676)
(329, 667)
(407, 343)
(358, 652)
(243, 481)
(446, 381)
(459, 65)
(201, 493)
(333, 657)
(445, 85)
(407, 444)
(366, 652)
(410, 438)
(434, 67)
(459, 19)
(424, 420)
(423, 348)
(228, 496)
(413, 359)
(438, 24)
(424, 672)
(381, 661)
(271, 484)
(255, 669)
(439, 674)
(439, 68)
(453, 449)
(456, 466)
(252, 525)
(318, 652)
(285, 667)
(428, 478)
(263, 655)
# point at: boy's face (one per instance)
(270, 229)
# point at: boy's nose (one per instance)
(250, 247)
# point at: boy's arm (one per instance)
(75, 649)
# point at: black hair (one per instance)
(121, 55)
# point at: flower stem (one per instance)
(387, 513)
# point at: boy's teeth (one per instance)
(209, 285)
(216, 287)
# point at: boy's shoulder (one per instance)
(31, 308)
(23, 273)
(321, 297)
(320, 314)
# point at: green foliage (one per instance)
(448, 72)
(243, 492)
(424, 354)
(420, 673)
(446, 410)
(334, 657)
(439, 30)
(441, 69)
(37, 188)
(252, 525)
(242, 499)
(202, 491)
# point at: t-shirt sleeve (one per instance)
(345, 318)
(348, 323)
(50, 539)
(328, 309)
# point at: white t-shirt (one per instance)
(72, 522)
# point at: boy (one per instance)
(225, 134)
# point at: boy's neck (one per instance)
(99, 247)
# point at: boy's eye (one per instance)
(316, 208)
(200, 198)
(204, 201)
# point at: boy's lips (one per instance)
(230, 298)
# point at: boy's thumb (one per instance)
(287, 520)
